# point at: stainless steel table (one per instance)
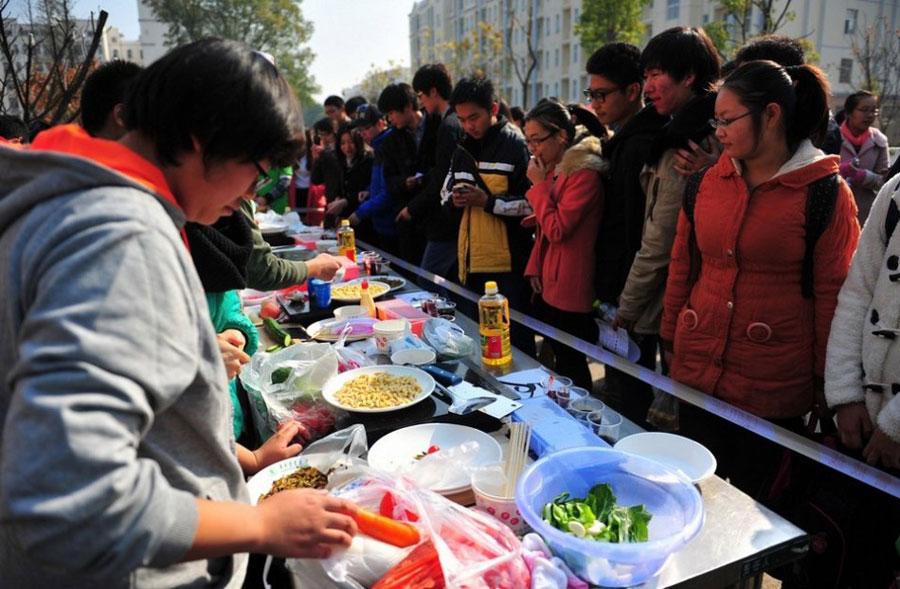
(740, 538)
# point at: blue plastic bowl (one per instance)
(675, 504)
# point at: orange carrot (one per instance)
(400, 534)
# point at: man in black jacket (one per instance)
(433, 86)
(401, 174)
(616, 94)
(485, 189)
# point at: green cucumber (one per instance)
(279, 375)
(274, 348)
(277, 332)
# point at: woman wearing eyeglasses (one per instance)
(761, 251)
(864, 150)
(567, 198)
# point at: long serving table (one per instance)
(740, 539)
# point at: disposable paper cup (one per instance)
(350, 311)
(487, 485)
(388, 331)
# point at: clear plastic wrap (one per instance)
(448, 339)
(474, 550)
(289, 385)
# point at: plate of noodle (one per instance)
(378, 389)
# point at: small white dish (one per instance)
(688, 458)
(413, 357)
(349, 311)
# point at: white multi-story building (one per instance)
(831, 26)
(112, 46)
(153, 34)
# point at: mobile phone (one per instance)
(461, 188)
(317, 140)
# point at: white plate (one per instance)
(262, 481)
(356, 299)
(271, 228)
(336, 382)
(681, 454)
(314, 328)
(378, 278)
(401, 446)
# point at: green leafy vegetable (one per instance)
(598, 517)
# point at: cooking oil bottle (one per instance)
(347, 240)
(493, 322)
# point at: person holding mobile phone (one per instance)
(485, 189)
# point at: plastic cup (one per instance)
(565, 398)
(557, 384)
(581, 408)
(606, 424)
(319, 293)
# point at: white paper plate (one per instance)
(386, 288)
(400, 447)
(336, 382)
(681, 454)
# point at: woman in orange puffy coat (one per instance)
(742, 320)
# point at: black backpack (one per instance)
(821, 197)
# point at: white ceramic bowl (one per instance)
(350, 311)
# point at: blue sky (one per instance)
(349, 36)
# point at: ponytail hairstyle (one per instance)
(853, 101)
(553, 115)
(760, 83)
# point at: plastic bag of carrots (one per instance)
(454, 547)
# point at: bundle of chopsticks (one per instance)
(516, 455)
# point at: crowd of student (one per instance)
(709, 216)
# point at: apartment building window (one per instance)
(850, 21)
(672, 9)
(557, 24)
(547, 60)
(575, 53)
(115, 54)
(556, 88)
(547, 27)
(846, 71)
(129, 52)
(556, 57)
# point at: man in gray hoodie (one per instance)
(117, 461)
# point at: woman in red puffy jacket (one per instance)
(743, 321)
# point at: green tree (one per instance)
(273, 26)
(603, 21)
(718, 34)
(378, 77)
(481, 53)
(774, 15)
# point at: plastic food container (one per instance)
(675, 504)
(487, 486)
(388, 331)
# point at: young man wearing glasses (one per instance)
(616, 95)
